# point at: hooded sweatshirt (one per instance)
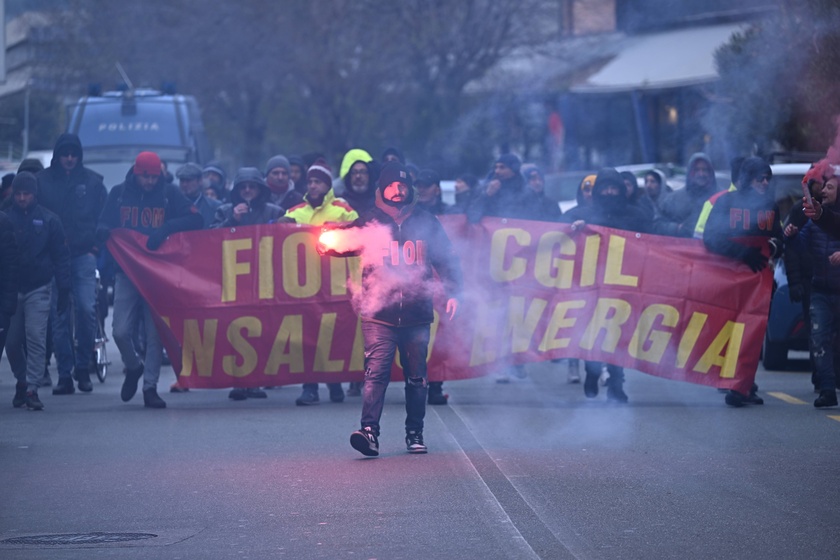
(76, 198)
(261, 211)
(679, 210)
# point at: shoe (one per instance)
(753, 398)
(129, 386)
(437, 397)
(336, 393)
(365, 442)
(33, 402)
(617, 394)
(827, 398)
(734, 399)
(503, 379)
(20, 395)
(151, 399)
(414, 442)
(355, 389)
(307, 399)
(574, 372)
(177, 388)
(238, 394)
(64, 386)
(47, 380)
(590, 386)
(83, 381)
(255, 393)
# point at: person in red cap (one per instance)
(145, 203)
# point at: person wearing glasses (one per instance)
(249, 202)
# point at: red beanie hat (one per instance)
(147, 163)
(321, 170)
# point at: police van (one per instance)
(115, 126)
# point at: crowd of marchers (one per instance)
(55, 222)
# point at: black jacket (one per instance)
(261, 210)
(740, 213)
(615, 211)
(398, 287)
(76, 198)
(819, 246)
(8, 267)
(164, 207)
(512, 200)
(42, 251)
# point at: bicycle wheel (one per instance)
(100, 354)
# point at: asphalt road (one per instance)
(531, 469)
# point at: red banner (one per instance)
(257, 306)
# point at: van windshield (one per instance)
(153, 124)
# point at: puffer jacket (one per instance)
(42, 250)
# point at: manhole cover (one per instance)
(79, 538)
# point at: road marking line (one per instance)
(834, 417)
(785, 397)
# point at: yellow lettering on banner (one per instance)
(357, 357)
(291, 266)
(266, 270)
(249, 355)
(322, 349)
(287, 348)
(608, 317)
(498, 250)
(199, 346)
(729, 337)
(615, 260)
(487, 322)
(555, 272)
(560, 321)
(521, 324)
(656, 340)
(689, 337)
(231, 268)
(591, 248)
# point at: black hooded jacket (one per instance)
(77, 198)
(42, 251)
(398, 290)
(610, 210)
(8, 267)
(164, 207)
(261, 210)
(362, 201)
(510, 201)
(679, 211)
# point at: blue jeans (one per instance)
(82, 330)
(825, 324)
(381, 344)
(129, 306)
(26, 342)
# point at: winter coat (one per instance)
(679, 211)
(398, 290)
(741, 214)
(610, 211)
(510, 201)
(332, 209)
(820, 245)
(288, 199)
(77, 198)
(207, 208)
(261, 210)
(164, 207)
(42, 248)
(8, 267)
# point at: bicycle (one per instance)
(99, 358)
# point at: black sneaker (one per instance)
(20, 395)
(365, 442)
(64, 386)
(355, 389)
(238, 394)
(46, 381)
(307, 399)
(734, 399)
(414, 442)
(151, 399)
(437, 397)
(617, 394)
(129, 386)
(33, 402)
(336, 392)
(256, 393)
(826, 399)
(83, 380)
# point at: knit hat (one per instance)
(147, 163)
(216, 168)
(25, 181)
(393, 151)
(277, 161)
(320, 170)
(33, 165)
(189, 171)
(427, 178)
(393, 172)
(511, 161)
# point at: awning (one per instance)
(656, 61)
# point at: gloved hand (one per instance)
(63, 300)
(797, 292)
(754, 259)
(156, 239)
(102, 234)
